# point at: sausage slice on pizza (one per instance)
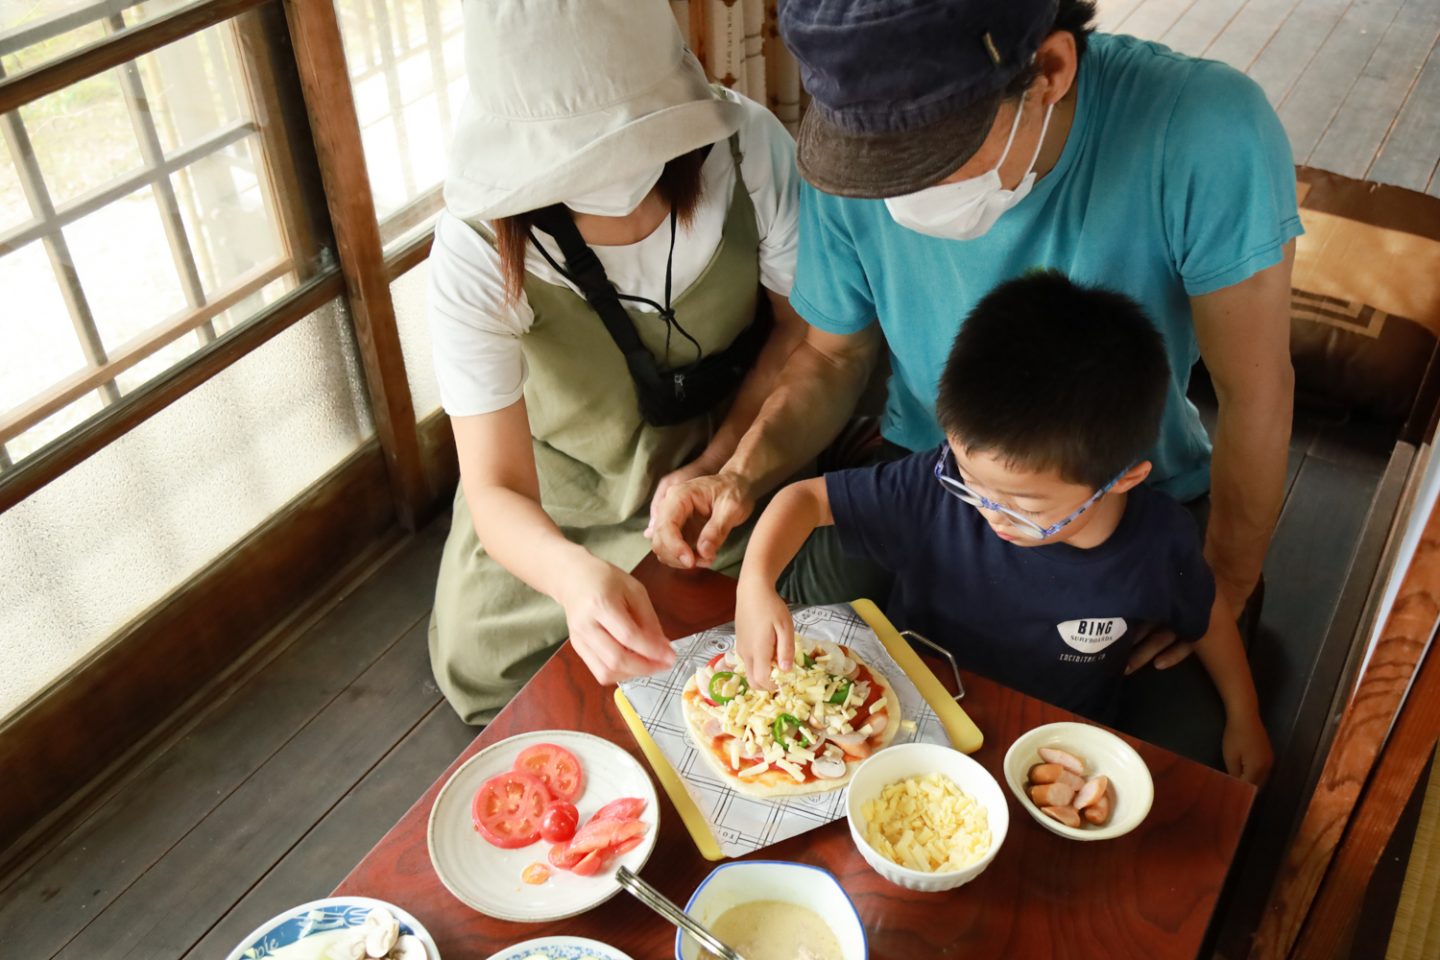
(824, 717)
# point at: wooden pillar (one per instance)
(329, 100)
(1363, 730)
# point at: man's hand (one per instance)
(720, 501)
(764, 632)
(613, 626)
(1246, 748)
(1159, 647)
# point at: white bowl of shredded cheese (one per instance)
(926, 817)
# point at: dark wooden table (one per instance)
(1149, 894)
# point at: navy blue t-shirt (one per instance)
(1055, 621)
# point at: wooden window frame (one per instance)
(362, 271)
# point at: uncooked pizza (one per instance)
(826, 714)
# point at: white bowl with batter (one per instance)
(748, 881)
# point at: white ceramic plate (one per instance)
(487, 878)
(560, 948)
(281, 935)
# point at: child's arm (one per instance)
(763, 627)
(1246, 746)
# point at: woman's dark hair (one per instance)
(679, 185)
(1076, 16)
(1047, 374)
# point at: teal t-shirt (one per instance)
(1176, 180)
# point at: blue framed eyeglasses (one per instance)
(957, 488)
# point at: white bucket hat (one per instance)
(567, 96)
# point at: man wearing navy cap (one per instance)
(950, 146)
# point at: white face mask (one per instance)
(617, 199)
(967, 209)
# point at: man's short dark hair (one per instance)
(1076, 16)
(1047, 374)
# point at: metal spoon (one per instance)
(662, 905)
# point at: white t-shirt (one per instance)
(479, 364)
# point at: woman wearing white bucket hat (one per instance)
(593, 164)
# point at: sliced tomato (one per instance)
(507, 809)
(536, 873)
(562, 857)
(625, 846)
(601, 834)
(715, 660)
(626, 808)
(556, 767)
(591, 864)
(559, 821)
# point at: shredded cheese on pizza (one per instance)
(749, 719)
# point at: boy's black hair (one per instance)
(1051, 375)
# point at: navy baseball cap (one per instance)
(903, 92)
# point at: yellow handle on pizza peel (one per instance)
(690, 814)
(964, 735)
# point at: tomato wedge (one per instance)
(562, 857)
(626, 808)
(556, 767)
(602, 834)
(507, 809)
(591, 864)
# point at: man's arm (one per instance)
(1245, 746)
(1244, 337)
(813, 396)
(758, 384)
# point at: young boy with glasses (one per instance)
(1026, 544)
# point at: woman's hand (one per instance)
(764, 631)
(612, 624)
(1246, 748)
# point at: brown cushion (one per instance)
(1353, 357)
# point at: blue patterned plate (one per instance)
(560, 948)
(277, 937)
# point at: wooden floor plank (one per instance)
(1198, 28)
(1409, 154)
(1110, 15)
(1305, 571)
(49, 903)
(214, 865)
(1332, 72)
(1352, 143)
(1294, 45)
(1249, 31)
(1152, 18)
(321, 860)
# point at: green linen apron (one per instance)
(598, 463)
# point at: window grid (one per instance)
(47, 224)
(385, 44)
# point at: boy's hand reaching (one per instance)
(1246, 748)
(764, 632)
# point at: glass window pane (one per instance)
(40, 343)
(14, 208)
(227, 216)
(39, 31)
(407, 70)
(89, 551)
(82, 137)
(54, 426)
(35, 32)
(126, 267)
(193, 86)
(170, 258)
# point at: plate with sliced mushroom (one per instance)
(339, 928)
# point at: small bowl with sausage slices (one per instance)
(1079, 781)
